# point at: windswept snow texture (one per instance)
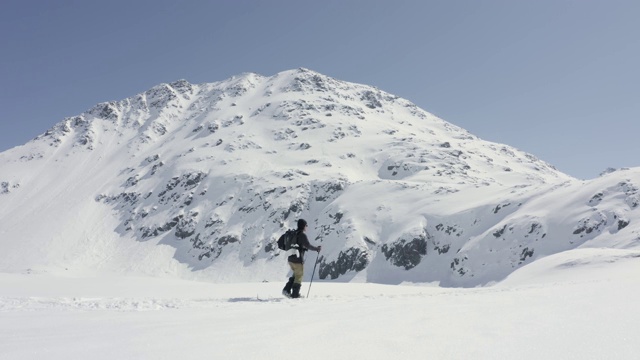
(198, 181)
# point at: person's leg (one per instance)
(298, 272)
(286, 291)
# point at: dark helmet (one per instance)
(301, 224)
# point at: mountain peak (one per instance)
(218, 170)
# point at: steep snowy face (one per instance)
(218, 171)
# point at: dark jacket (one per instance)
(303, 245)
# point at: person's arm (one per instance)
(304, 242)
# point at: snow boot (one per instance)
(286, 291)
(296, 291)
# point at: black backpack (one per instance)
(288, 240)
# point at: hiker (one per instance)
(296, 261)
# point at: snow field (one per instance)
(574, 305)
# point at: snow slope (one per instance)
(197, 182)
(579, 304)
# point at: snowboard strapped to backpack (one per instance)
(288, 240)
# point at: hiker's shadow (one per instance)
(254, 299)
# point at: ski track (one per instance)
(133, 304)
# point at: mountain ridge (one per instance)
(216, 171)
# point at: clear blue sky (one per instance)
(559, 79)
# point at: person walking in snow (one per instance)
(296, 261)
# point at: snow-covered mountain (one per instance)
(200, 180)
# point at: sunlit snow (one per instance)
(145, 229)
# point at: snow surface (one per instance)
(579, 304)
(145, 229)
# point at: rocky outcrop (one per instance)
(406, 253)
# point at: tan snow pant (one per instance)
(298, 271)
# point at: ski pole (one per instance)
(313, 273)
